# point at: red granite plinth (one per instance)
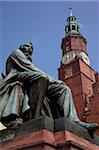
(48, 140)
(44, 133)
(66, 140)
(37, 140)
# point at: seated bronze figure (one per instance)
(27, 92)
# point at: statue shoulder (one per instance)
(17, 52)
(1, 76)
(12, 59)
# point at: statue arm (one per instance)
(22, 63)
(18, 61)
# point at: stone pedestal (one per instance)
(47, 134)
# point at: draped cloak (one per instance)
(12, 98)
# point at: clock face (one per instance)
(68, 57)
(85, 58)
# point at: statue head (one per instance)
(27, 49)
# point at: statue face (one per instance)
(27, 49)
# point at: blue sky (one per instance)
(43, 24)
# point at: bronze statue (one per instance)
(27, 92)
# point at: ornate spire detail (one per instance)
(72, 25)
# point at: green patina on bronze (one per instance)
(27, 92)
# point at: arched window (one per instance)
(68, 28)
(72, 19)
(73, 27)
(77, 28)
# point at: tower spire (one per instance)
(70, 12)
(72, 26)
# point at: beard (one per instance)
(28, 55)
(29, 58)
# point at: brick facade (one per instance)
(81, 78)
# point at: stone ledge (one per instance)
(66, 139)
(33, 139)
(66, 124)
(28, 127)
(47, 140)
(46, 123)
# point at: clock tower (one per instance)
(73, 44)
(76, 72)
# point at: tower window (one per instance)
(68, 28)
(71, 19)
(73, 27)
(68, 20)
(77, 28)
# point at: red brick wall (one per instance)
(93, 116)
(85, 89)
(75, 83)
(75, 42)
(78, 43)
(87, 71)
(82, 80)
